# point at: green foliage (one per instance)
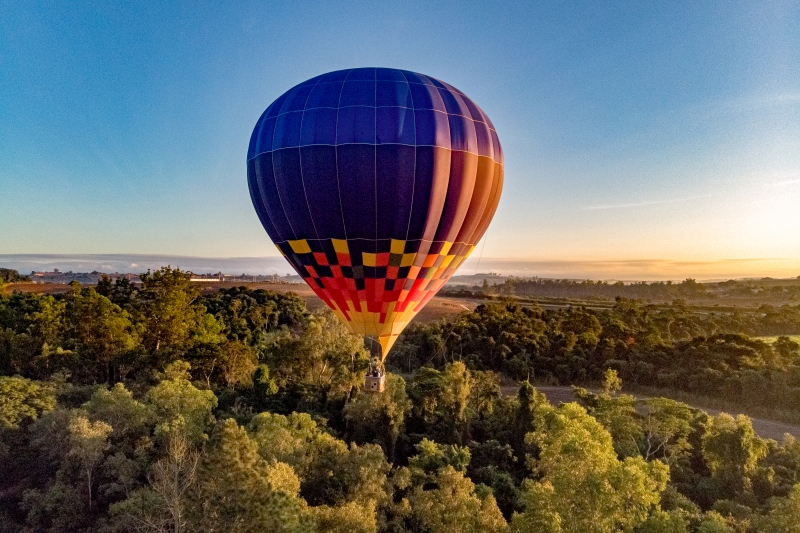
(9, 275)
(379, 418)
(714, 523)
(732, 450)
(442, 401)
(617, 413)
(100, 331)
(664, 522)
(325, 356)
(704, 353)
(109, 418)
(88, 443)
(180, 406)
(454, 506)
(169, 309)
(249, 315)
(118, 408)
(238, 491)
(581, 486)
(22, 399)
(295, 439)
(431, 458)
(667, 426)
(783, 515)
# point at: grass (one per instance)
(773, 338)
(787, 415)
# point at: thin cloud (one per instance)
(643, 204)
(785, 183)
(754, 103)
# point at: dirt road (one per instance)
(768, 429)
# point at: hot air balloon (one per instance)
(375, 184)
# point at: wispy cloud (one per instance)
(645, 203)
(753, 103)
(785, 183)
(641, 269)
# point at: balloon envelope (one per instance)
(375, 184)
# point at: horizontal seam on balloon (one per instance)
(376, 80)
(371, 240)
(388, 106)
(376, 144)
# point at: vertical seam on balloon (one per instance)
(258, 185)
(375, 177)
(413, 186)
(275, 179)
(336, 152)
(414, 180)
(261, 195)
(300, 159)
(375, 150)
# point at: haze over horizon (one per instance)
(641, 141)
(630, 270)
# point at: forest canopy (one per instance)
(156, 407)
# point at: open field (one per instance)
(773, 338)
(439, 307)
(768, 429)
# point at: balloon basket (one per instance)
(374, 383)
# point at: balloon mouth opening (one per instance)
(379, 345)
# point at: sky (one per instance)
(637, 135)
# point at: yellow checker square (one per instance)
(340, 246)
(447, 261)
(369, 259)
(445, 248)
(397, 247)
(300, 246)
(408, 260)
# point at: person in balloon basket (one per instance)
(374, 380)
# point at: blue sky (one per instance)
(633, 131)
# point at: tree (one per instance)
(237, 491)
(664, 522)
(713, 522)
(170, 312)
(731, 450)
(180, 406)
(22, 399)
(99, 329)
(324, 355)
(616, 412)
(441, 400)
(783, 515)
(237, 364)
(351, 517)
(172, 476)
(454, 506)
(529, 402)
(379, 418)
(433, 457)
(581, 486)
(667, 426)
(118, 408)
(88, 443)
(331, 473)
(162, 506)
(294, 439)
(339, 474)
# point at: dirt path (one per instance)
(768, 429)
